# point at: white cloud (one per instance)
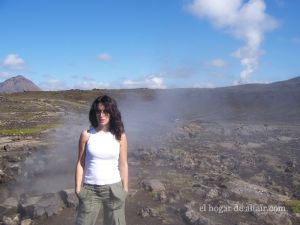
(155, 82)
(218, 63)
(13, 61)
(92, 85)
(253, 82)
(5, 75)
(104, 57)
(53, 85)
(245, 20)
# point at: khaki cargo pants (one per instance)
(93, 197)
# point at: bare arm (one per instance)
(123, 162)
(81, 160)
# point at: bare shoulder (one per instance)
(123, 146)
(85, 134)
(123, 137)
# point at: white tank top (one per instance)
(102, 158)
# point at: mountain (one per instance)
(18, 84)
(294, 82)
(277, 101)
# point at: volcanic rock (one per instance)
(69, 197)
(45, 205)
(15, 220)
(26, 222)
(9, 207)
(274, 218)
(153, 185)
(147, 211)
(253, 192)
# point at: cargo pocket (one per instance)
(84, 207)
(118, 195)
(84, 200)
(82, 193)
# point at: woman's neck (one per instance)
(103, 128)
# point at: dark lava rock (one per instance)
(274, 217)
(7, 148)
(38, 206)
(153, 185)
(161, 196)
(2, 177)
(26, 222)
(9, 207)
(192, 217)
(69, 197)
(15, 220)
(13, 158)
(147, 211)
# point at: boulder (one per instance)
(213, 193)
(6, 147)
(69, 197)
(189, 214)
(14, 220)
(44, 205)
(15, 169)
(13, 158)
(253, 192)
(193, 217)
(160, 196)
(26, 222)
(9, 207)
(153, 185)
(274, 217)
(2, 173)
(147, 211)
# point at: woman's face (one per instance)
(102, 115)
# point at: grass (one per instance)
(27, 131)
(28, 116)
(294, 205)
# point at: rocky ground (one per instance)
(194, 170)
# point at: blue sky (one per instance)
(64, 44)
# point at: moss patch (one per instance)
(27, 131)
(294, 205)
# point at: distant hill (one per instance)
(294, 82)
(18, 84)
(277, 101)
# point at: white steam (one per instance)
(245, 20)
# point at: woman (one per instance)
(101, 178)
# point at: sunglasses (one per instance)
(99, 112)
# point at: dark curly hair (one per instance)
(116, 126)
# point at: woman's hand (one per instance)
(77, 190)
(81, 161)
(123, 162)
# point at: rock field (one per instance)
(191, 169)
